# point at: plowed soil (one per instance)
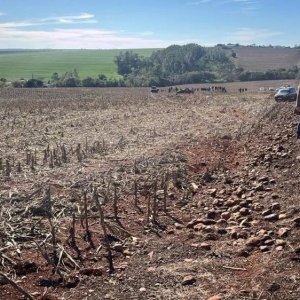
(199, 194)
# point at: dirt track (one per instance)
(232, 197)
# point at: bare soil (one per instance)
(202, 185)
(266, 58)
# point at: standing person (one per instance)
(297, 111)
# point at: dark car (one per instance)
(286, 94)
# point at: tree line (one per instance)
(174, 65)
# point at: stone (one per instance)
(266, 212)
(272, 217)
(188, 280)
(212, 214)
(230, 203)
(244, 211)
(275, 206)
(192, 223)
(280, 242)
(194, 187)
(253, 241)
(178, 226)
(226, 215)
(264, 248)
(216, 297)
(205, 246)
(209, 222)
(282, 216)
(118, 247)
(212, 192)
(296, 220)
(283, 232)
(199, 227)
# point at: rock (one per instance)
(188, 280)
(226, 215)
(192, 223)
(221, 231)
(235, 208)
(280, 242)
(212, 214)
(194, 187)
(266, 212)
(296, 220)
(91, 271)
(209, 222)
(275, 206)
(283, 232)
(244, 211)
(210, 237)
(274, 196)
(272, 217)
(208, 229)
(212, 192)
(199, 227)
(178, 226)
(268, 242)
(253, 241)
(127, 252)
(216, 297)
(205, 246)
(239, 192)
(142, 289)
(282, 216)
(230, 203)
(263, 179)
(118, 247)
(264, 248)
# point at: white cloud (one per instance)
(248, 35)
(74, 39)
(198, 2)
(70, 19)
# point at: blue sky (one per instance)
(123, 24)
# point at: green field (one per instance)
(43, 63)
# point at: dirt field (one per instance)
(199, 194)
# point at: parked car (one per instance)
(286, 94)
(154, 89)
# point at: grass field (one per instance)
(42, 64)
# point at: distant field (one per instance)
(266, 58)
(42, 64)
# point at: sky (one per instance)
(128, 24)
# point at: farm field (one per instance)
(42, 64)
(118, 193)
(262, 59)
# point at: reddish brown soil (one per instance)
(244, 168)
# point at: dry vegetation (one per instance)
(120, 194)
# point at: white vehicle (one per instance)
(262, 89)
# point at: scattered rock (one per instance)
(179, 226)
(283, 232)
(226, 215)
(188, 280)
(205, 246)
(216, 297)
(272, 217)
